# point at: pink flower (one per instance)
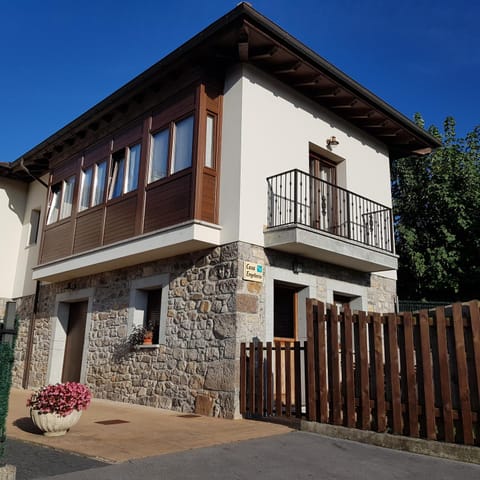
(61, 398)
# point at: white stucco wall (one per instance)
(28, 254)
(13, 196)
(268, 129)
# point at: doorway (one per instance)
(285, 332)
(72, 360)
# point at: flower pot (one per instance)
(148, 338)
(53, 424)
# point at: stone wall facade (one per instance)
(211, 309)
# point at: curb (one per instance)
(450, 451)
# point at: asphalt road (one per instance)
(293, 456)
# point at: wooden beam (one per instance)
(309, 83)
(287, 68)
(360, 116)
(328, 93)
(242, 44)
(267, 54)
(345, 105)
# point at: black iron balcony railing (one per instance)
(295, 197)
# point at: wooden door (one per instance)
(285, 299)
(322, 192)
(72, 360)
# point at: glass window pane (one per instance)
(99, 183)
(87, 178)
(159, 156)
(209, 155)
(133, 167)
(117, 177)
(182, 156)
(54, 209)
(34, 226)
(69, 186)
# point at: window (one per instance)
(149, 301)
(172, 149)
(87, 180)
(210, 143)
(34, 225)
(93, 185)
(54, 209)
(67, 200)
(61, 200)
(125, 168)
(182, 145)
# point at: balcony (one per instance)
(310, 217)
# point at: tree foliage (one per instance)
(436, 201)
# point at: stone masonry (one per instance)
(211, 309)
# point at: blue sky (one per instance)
(59, 58)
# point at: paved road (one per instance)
(34, 461)
(293, 456)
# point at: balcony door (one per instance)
(322, 193)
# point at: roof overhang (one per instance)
(242, 35)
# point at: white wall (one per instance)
(28, 254)
(13, 196)
(267, 129)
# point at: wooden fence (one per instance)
(414, 374)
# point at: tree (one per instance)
(436, 203)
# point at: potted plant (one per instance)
(141, 335)
(54, 409)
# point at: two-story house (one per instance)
(208, 197)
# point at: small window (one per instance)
(153, 311)
(34, 226)
(149, 302)
(209, 142)
(125, 169)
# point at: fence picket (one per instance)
(347, 365)
(394, 373)
(364, 376)
(288, 380)
(243, 379)
(334, 370)
(260, 377)
(321, 363)
(475, 326)
(429, 405)
(298, 380)
(269, 375)
(251, 366)
(312, 309)
(411, 381)
(464, 389)
(380, 413)
(278, 379)
(443, 364)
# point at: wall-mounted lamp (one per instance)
(332, 142)
(297, 267)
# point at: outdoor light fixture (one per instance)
(332, 142)
(297, 267)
